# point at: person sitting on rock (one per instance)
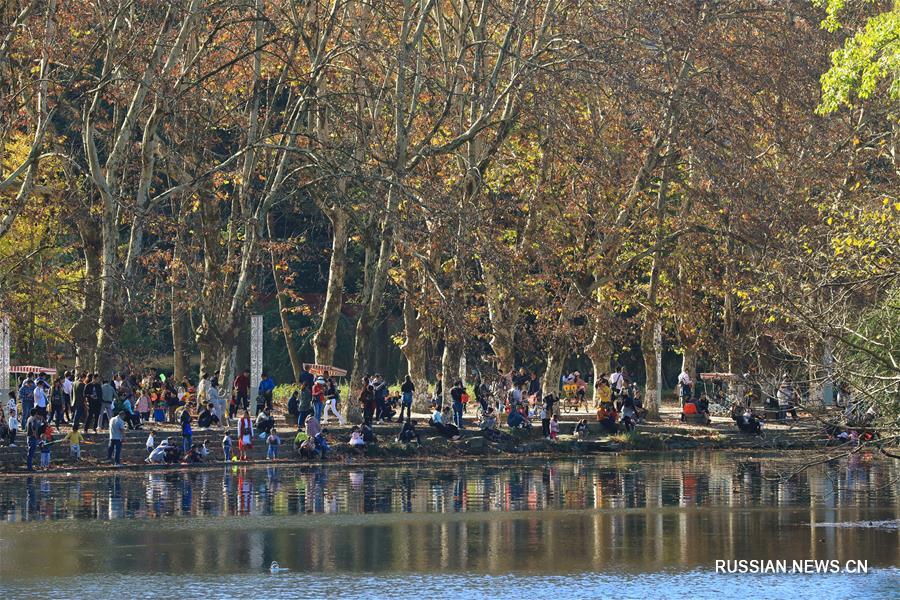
(408, 433)
(445, 425)
(207, 418)
(158, 454)
(488, 419)
(606, 416)
(389, 408)
(193, 455)
(357, 443)
(368, 434)
(516, 420)
(745, 420)
(265, 423)
(581, 429)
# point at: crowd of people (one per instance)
(64, 408)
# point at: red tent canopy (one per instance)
(32, 369)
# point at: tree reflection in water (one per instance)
(639, 511)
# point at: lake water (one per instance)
(618, 526)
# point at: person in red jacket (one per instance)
(245, 434)
(318, 395)
(241, 388)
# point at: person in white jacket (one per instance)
(686, 385)
(218, 403)
(331, 400)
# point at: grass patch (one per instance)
(638, 441)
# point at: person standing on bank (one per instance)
(56, 402)
(439, 391)
(456, 394)
(67, 386)
(304, 405)
(218, 402)
(34, 427)
(241, 388)
(78, 408)
(116, 436)
(94, 396)
(245, 435)
(407, 391)
(108, 397)
(367, 401)
(26, 397)
(264, 393)
(685, 384)
(331, 400)
(40, 398)
(318, 398)
(186, 432)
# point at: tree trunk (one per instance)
(689, 362)
(503, 312)
(180, 354)
(211, 347)
(649, 350)
(556, 353)
(649, 347)
(416, 356)
(286, 330)
(372, 299)
(108, 324)
(227, 362)
(453, 349)
(325, 340)
(600, 353)
(730, 308)
(83, 332)
(555, 359)
(503, 344)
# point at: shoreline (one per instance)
(470, 447)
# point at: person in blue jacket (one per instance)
(264, 397)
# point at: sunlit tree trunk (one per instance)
(600, 353)
(180, 354)
(84, 331)
(377, 272)
(282, 296)
(325, 340)
(453, 349)
(558, 348)
(652, 313)
(649, 351)
(414, 345)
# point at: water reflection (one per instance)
(641, 512)
(692, 480)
